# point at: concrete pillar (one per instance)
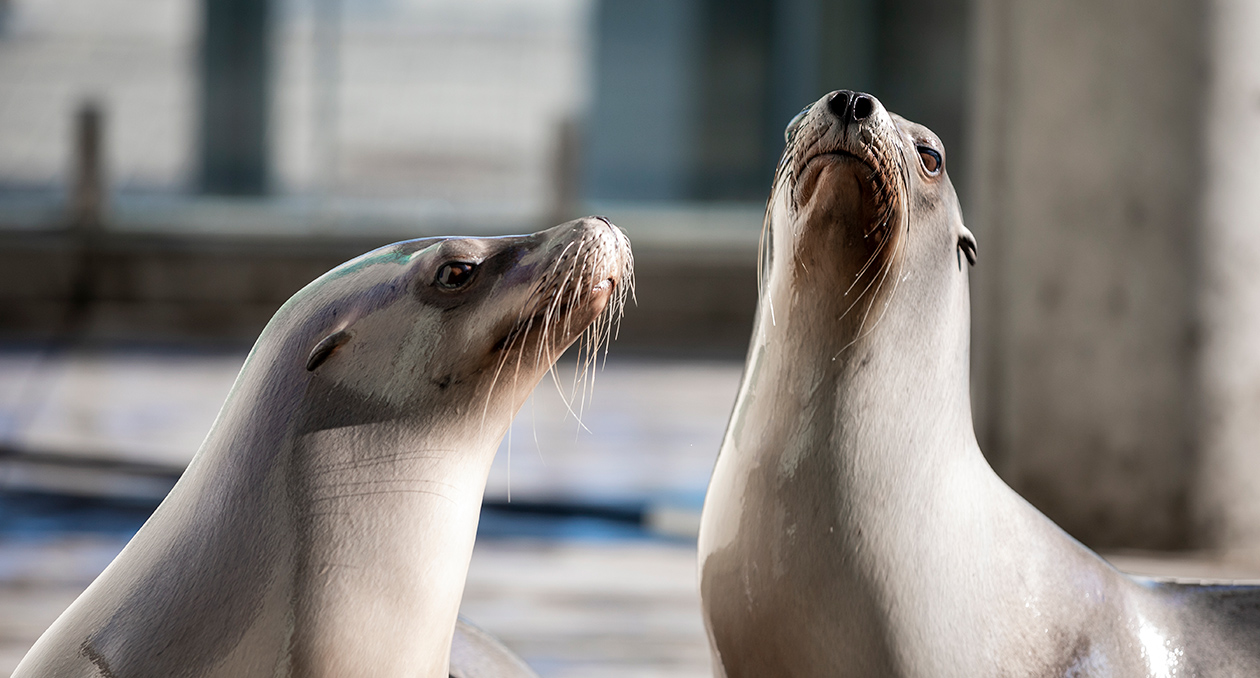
(1086, 185)
(1227, 501)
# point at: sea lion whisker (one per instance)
(502, 361)
(566, 399)
(553, 302)
(882, 275)
(594, 334)
(870, 260)
(862, 295)
(545, 343)
(763, 244)
(580, 290)
(558, 304)
(555, 265)
(572, 287)
(875, 297)
(568, 406)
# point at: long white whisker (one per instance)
(860, 334)
(874, 279)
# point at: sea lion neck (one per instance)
(833, 372)
(369, 517)
(862, 342)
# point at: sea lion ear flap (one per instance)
(326, 347)
(967, 245)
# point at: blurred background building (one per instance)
(172, 170)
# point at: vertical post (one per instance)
(87, 195)
(1227, 494)
(235, 65)
(87, 199)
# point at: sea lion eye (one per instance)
(455, 274)
(931, 159)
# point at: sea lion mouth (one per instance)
(876, 162)
(833, 154)
(811, 169)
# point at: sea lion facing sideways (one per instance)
(852, 526)
(326, 524)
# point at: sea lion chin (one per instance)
(325, 526)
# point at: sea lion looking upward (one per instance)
(852, 526)
(326, 524)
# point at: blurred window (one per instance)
(413, 115)
(134, 56)
(459, 103)
(453, 100)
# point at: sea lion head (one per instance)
(454, 327)
(861, 196)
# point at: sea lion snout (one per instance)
(604, 246)
(843, 169)
(850, 107)
(584, 276)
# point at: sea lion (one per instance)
(477, 654)
(325, 526)
(852, 526)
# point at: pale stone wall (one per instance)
(1227, 506)
(1086, 141)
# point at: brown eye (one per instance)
(455, 274)
(931, 159)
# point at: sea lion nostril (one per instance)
(863, 107)
(838, 104)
